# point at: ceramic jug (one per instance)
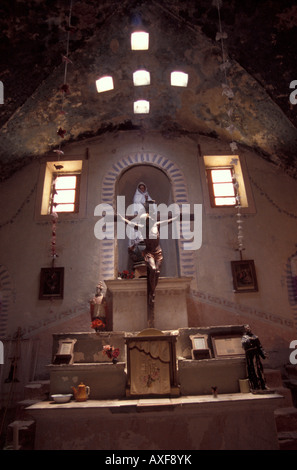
(82, 392)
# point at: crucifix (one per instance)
(152, 254)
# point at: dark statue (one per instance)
(253, 353)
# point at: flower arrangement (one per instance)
(126, 275)
(98, 324)
(111, 352)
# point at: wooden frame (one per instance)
(200, 348)
(199, 341)
(227, 346)
(51, 283)
(65, 351)
(244, 276)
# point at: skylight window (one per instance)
(179, 79)
(104, 84)
(141, 107)
(141, 78)
(139, 41)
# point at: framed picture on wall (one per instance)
(199, 341)
(227, 346)
(65, 352)
(244, 276)
(51, 283)
(200, 348)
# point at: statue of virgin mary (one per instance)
(140, 199)
(141, 196)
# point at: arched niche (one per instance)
(160, 189)
(108, 260)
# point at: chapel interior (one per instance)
(197, 101)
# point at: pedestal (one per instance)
(127, 300)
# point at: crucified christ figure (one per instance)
(152, 254)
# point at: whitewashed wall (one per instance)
(269, 238)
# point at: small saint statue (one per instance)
(253, 353)
(98, 307)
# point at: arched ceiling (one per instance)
(259, 40)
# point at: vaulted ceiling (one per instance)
(257, 40)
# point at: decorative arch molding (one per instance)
(6, 293)
(179, 194)
(291, 276)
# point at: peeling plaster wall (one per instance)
(182, 35)
(269, 237)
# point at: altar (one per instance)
(229, 422)
(173, 408)
(170, 387)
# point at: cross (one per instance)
(153, 259)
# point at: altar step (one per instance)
(287, 418)
(21, 432)
(275, 381)
(37, 390)
(21, 435)
(291, 381)
(286, 415)
(286, 424)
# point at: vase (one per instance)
(114, 360)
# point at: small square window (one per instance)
(139, 41)
(104, 84)
(179, 79)
(141, 78)
(141, 107)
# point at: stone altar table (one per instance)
(241, 421)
